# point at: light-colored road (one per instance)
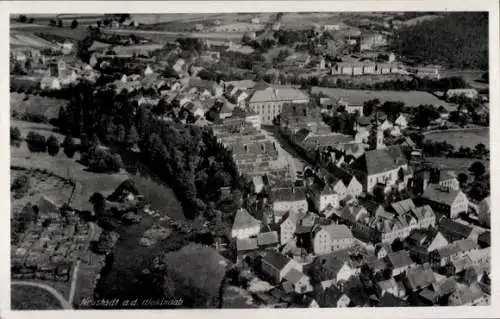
(64, 303)
(74, 279)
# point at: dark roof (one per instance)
(378, 161)
(342, 174)
(419, 278)
(451, 227)
(389, 300)
(457, 246)
(275, 259)
(399, 259)
(289, 194)
(485, 238)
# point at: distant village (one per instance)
(346, 211)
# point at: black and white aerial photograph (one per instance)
(249, 160)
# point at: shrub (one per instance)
(20, 186)
(52, 145)
(15, 134)
(69, 146)
(36, 142)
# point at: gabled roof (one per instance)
(403, 206)
(294, 276)
(246, 244)
(464, 245)
(448, 226)
(277, 94)
(379, 161)
(336, 231)
(275, 259)
(288, 194)
(399, 259)
(268, 238)
(419, 278)
(243, 219)
(440, 195)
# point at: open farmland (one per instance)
(76, 34)
(462, 138)
(409, 98)
(30, 104)
(459, 165)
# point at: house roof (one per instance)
(456, 247)
(288, 194)
(485, 238)
(441, 195)
(385, 285)
(448, 226)
(378, 161)
(389, 300)
(419, 278)
(294, 276)
(243, 219)
(336, 231)
(275, 259)
(399, 258)
(277, 94)
(267, 238)
(246, 244)
(403, 206)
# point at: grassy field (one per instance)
(409, 98)
(87, 182)
(466, 138)
(36, 105)
(41, 128)
(32, 298)
(77, 34)
(459, 165)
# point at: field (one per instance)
(466, 138)
(459, 165)
(87, 182)
(77, 34)
(409, 98)
(470, 76)
(32, 298)
(41, 184)
(36, 105)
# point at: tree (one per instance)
(69, 146)
(74, 24)
(132, 136)
(36, 142)
(22, 18)
(462, 179)
(477, 168)
(480, 149)
(20, 186)
(53, 22)
(15, 133)
(52, 145)
(99, 203)
(60, 24)
(370, 106)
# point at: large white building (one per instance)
(268, 101)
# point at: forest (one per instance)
(457, 40)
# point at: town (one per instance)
(253, 160)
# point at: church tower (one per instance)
(376, 138)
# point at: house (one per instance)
(289, 200)
(401, 121)
(331, 271)
(331, 238)
(454, 251)
(353, 187)
(421, 244)
(420, 278)
(287, 227)
(400, 262)
(468, 93)
(268, 101)
(275, 265)
(381, 250)
(387, 166)
(50, 83)
(445, 200)
(333, 297)
(352, 105)
(296, 281)
(429, 72)
(468, 296)
(245, 225)
(448, 179)
(484, 211)
(324, 197)
(245, 246)
(268, 239)
(453, 230)
(392, 287)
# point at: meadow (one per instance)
(462, 138)
(32, 298)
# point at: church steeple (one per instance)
(376, 138)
